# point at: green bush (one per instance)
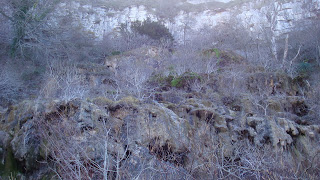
(155, 30)
(182, 81)
(176, 82)
(114, 53)
(185, 79)
(304, 69)
(216, 52)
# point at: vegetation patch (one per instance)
(154, 29)
(212, 52)
(174, 81)
(304, 69)
(114, 53)
(10, 169)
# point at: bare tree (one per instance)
(134, 74)
(26, 16)
(261, 100)
(79, 152)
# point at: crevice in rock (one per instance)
(300, 109)
(244, 134)
(167, 152)
(266, 140)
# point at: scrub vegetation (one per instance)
(140, 105)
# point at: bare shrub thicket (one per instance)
(133, 75)
(70, 155)
(64, 80)
(115, 91)
(28, 19)
(185, 59)
(264, 47)
(126, 41)
(97, 151)
(191, 58)
(245, 160)
(10, 80)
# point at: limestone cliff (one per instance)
(104, 18)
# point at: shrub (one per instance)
(65, 81)
(161, 79)
(210, 52)
(185, 80)
(304, 68)
(217, 52)
(176, 82)
(155, 30)
(114, 53)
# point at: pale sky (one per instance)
(203, 1)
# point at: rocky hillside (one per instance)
(176, 136)
(188, 127)
(210, 89)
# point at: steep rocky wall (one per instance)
(280, 16)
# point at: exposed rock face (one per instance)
(182, 135)
(278, 16)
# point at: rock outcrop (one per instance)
(181, 135)
(280, 16)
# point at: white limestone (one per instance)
(254, 15)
